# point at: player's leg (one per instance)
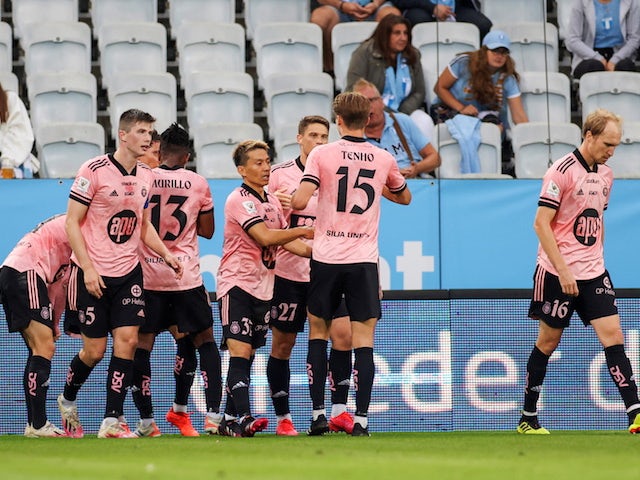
(363, 372)
(279, 378)
(288, 316)
(340, 366)
(211, 370)
(546, 343)
(243, 329)
(612, 339)
(184, 371)
(119, 379)
(553, 310)
(141, 385)
(317, 372)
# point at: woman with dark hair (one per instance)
(389, 61)
(16, 137)
(482, 84)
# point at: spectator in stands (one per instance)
(398, 135)
(332, 12)
(482, 83)
(603, 35)
(151, 155)
(420, 11)
(16, 137)
(389, 61)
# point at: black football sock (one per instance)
(536, 371)
(340, 375)
(141, 389)
(622, 375)
(238, 384)
(118, 381)
(278, 375)
(76, 376)
(363, 374)
(37, 386)
(184, 369)
(25, 383)
(317, 371)
(211, 369)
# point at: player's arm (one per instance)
(266, 237)
(76, 212)
(206, 224)
(403, 197)
(542, 227)
(150, 237)
(298, 247)
(301, 196)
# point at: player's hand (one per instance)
(94, 282)
(175, 265)
(307, 232)
(568, 283)
(284, 197)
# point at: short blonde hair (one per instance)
(353, 108)
(597, 121)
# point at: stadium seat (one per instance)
(285, 142)
(6, 47)
(490, 153)
(32, 11)
(532, 46)
(536, 145)
(155, 93)
(268, 11)
(9, 81)
(615, 91)
(503, 12)
(439, 43)
(214, 97)
(626, 159)
(207, 46)
(57, 47)
(132, 48)
(546, 96)
(294, 95)
(294, 47)
(63, 147)
(214, 144)
(345, 38)
(104, 12)
(211, 11)
(62, 97)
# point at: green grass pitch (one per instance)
(396, 456)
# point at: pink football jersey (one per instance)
(116, 202)
(178, 196)
(245, 264)
(580, 197)
(350, 175)
(45, 249)
(286, 176)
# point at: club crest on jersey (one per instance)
(553, 189)
(83, 184)
(45, 313)
(250, 207)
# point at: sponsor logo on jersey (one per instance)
(586, 228)
(121, 226)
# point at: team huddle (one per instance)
(300, 243)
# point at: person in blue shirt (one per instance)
(482, 83)
(603, 35)
(421, 159)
